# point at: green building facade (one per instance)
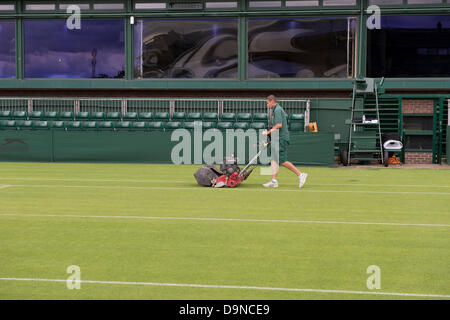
(309, 49)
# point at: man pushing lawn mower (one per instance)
(230, 175)
(279, 152)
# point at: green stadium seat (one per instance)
(194, 116)
(72, 125)
(241, 125)
(40, 125)
(122, 125)
(36, 115)
(57, 124)
(161, 116)
(89, 125)
(244, 117)
(228, 117)
(189, 125)
(51, 115)
(224, 125)
(113, 116)
(130, 116)
(24, 124)
(260, 117)
(97, 116)
(179, 116)
(297, 126)
(205, 125)
(146, 116)
(208, 125)
(66, 116)
(296, 117)
(82, 116)
(157, 125)
(172, 125)
(211, 116)
(18, 115)
(257, 125)
(8, 124)
(139, 125)
(5, 114)
(106, 125)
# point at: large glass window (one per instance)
(301, 47)
(186, 48)
(410, 46)
(52, 50)
(7, 49)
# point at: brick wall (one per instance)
(417, 106)
(418, 158)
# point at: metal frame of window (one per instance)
(57, 9)
(242, 12)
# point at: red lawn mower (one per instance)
(229, 175)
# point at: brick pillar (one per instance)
(414, 106)
(418, 157)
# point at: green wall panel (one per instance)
(448, 145)
(26, 145)
(97, 146)
(330, 115)
(311, 149)
(136, 147)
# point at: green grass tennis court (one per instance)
(149, 232)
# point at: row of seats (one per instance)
(143, 116)
(133, 125)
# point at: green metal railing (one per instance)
(123, 105)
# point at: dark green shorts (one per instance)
(279, 153)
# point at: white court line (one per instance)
(95, 180)
(303, 190)
(5, 186)
(422, 295)
(227, 220)
(181, 181)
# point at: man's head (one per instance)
(271, 101)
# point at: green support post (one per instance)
(129, 47)
(441, 137)
(435, 133)
(19, 43)
(361, 42)
(400, 128)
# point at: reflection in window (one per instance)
(410, 46)
(418, 142)
(301, 47)
(7, 49)
(54, 51)
(186, 48)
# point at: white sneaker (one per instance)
(302, 179)
(271, 184)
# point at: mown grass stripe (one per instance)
(234, 189)
(247, 183)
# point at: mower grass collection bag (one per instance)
(207, 175)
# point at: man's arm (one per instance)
(278, 126)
